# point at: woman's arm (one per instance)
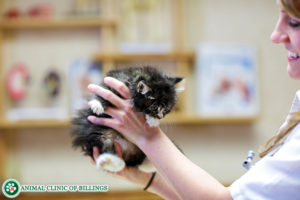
(137, 177)
(160, 187)
(189, 180)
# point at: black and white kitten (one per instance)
(153, 93)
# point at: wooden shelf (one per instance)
(35, 124)
(55, 23)
(171, 119)
(131, 57)
(198, 120)
(111, 195)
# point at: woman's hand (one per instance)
(131, 174)
(124, 117)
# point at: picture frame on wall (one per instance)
(81, 73)
(226, 80)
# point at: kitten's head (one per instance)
(155, 93)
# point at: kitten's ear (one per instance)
(181, 86)
(143, 88)
(177, 79)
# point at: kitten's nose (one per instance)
(160, 115)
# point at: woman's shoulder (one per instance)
(294, 134)
(296, 102)
(291, 146)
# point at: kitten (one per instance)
(153, 93)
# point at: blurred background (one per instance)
(51, 50)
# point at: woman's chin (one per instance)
(294, 71)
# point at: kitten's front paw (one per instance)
(96, 106)
(110, 162)
(151, 121)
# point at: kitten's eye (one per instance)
(153, 108)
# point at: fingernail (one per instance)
(92, 87)
(107, 78)
(95, 149)
(94, 120)
(91, 118)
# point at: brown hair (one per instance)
(292, 7)
(292, 120)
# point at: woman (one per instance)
(275, 176)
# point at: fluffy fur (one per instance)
(153, 93)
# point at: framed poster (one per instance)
(81, 74)
(226, 81)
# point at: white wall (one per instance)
(45, 156)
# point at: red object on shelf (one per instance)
(12, 13)
(41, 11)
(16, 82)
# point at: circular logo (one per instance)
(11, 188)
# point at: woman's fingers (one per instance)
(109, 122)
(96, 152)
(107, 95)
(92, 160)
(118, 149)
(115, 113)
(119, 86)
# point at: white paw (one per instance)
(110, 162)
(96, 106)
(151, 121)
(147, 166)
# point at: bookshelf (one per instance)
(106, 26)
(179, 55)
(109, 58)
(183, 65)
(180, 119)
(19, 24)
